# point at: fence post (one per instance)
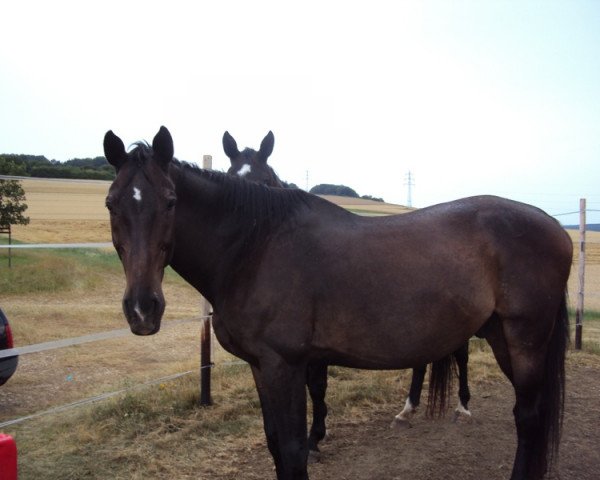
(205, 338)
(581, 271)
(205, 355)
(7, 229)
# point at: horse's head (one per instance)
(249, 163)
(141, 201)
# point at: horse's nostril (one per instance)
(126, 306)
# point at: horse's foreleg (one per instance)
(316, 379)
(464, 395)
(282, 394)
(414, 398)
(268, 422)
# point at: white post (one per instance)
(580, 293)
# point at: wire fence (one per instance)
(112, 334)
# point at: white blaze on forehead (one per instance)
(245, 170)
(137, 194)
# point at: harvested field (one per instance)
(132, 438)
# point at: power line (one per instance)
(409, 181)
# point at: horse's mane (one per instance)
(250, 200)
(254, 211)
(257, 210)
(141, 152)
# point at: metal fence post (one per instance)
(205, 356)
(205, 340)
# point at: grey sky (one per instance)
(472, 97)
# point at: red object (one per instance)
(9, 337)
(8, 458)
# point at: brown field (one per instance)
(63, 211)
(226, 441)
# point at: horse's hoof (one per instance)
(462, 415)
(400, 424)
(314, 456)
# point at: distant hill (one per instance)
(590, 227)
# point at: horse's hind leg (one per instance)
(316, 379)
(414, 398)
(535, 367)
(464, 395)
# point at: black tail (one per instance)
(440, 385)
(553, 389)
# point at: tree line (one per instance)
(98, 168)
(341, 190)
(39, 166)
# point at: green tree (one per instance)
(9, 167)
(328, 189)
(12, 203)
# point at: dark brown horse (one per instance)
(253, 166)
(249, 163)
(293, 280)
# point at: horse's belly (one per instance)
(401, 334)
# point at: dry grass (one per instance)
(64, 211)
(156, 432)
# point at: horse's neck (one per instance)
(205, 241)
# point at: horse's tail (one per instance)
(440, 385)
(553, 388)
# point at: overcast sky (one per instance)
(472, 97)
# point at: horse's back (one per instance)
(353, 282)
(445, 268)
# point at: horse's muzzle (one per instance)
(144, 313)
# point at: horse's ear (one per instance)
(163, 147)
(266, 146)
(230, 146)
(114, 150)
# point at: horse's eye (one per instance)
(171, 203)
(109, 206)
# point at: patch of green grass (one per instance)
(34, 272)
(590, 347)
(62, 270)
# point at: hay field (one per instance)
(64, 211)
(113, 440)
(360, 205)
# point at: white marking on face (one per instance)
(245, 170)
(138, 311)
(137, 194)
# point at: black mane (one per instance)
(254, 202)
(140, 153)
(257, 209)
(253, 211)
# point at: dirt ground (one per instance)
(483, 448)
(363, 446)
